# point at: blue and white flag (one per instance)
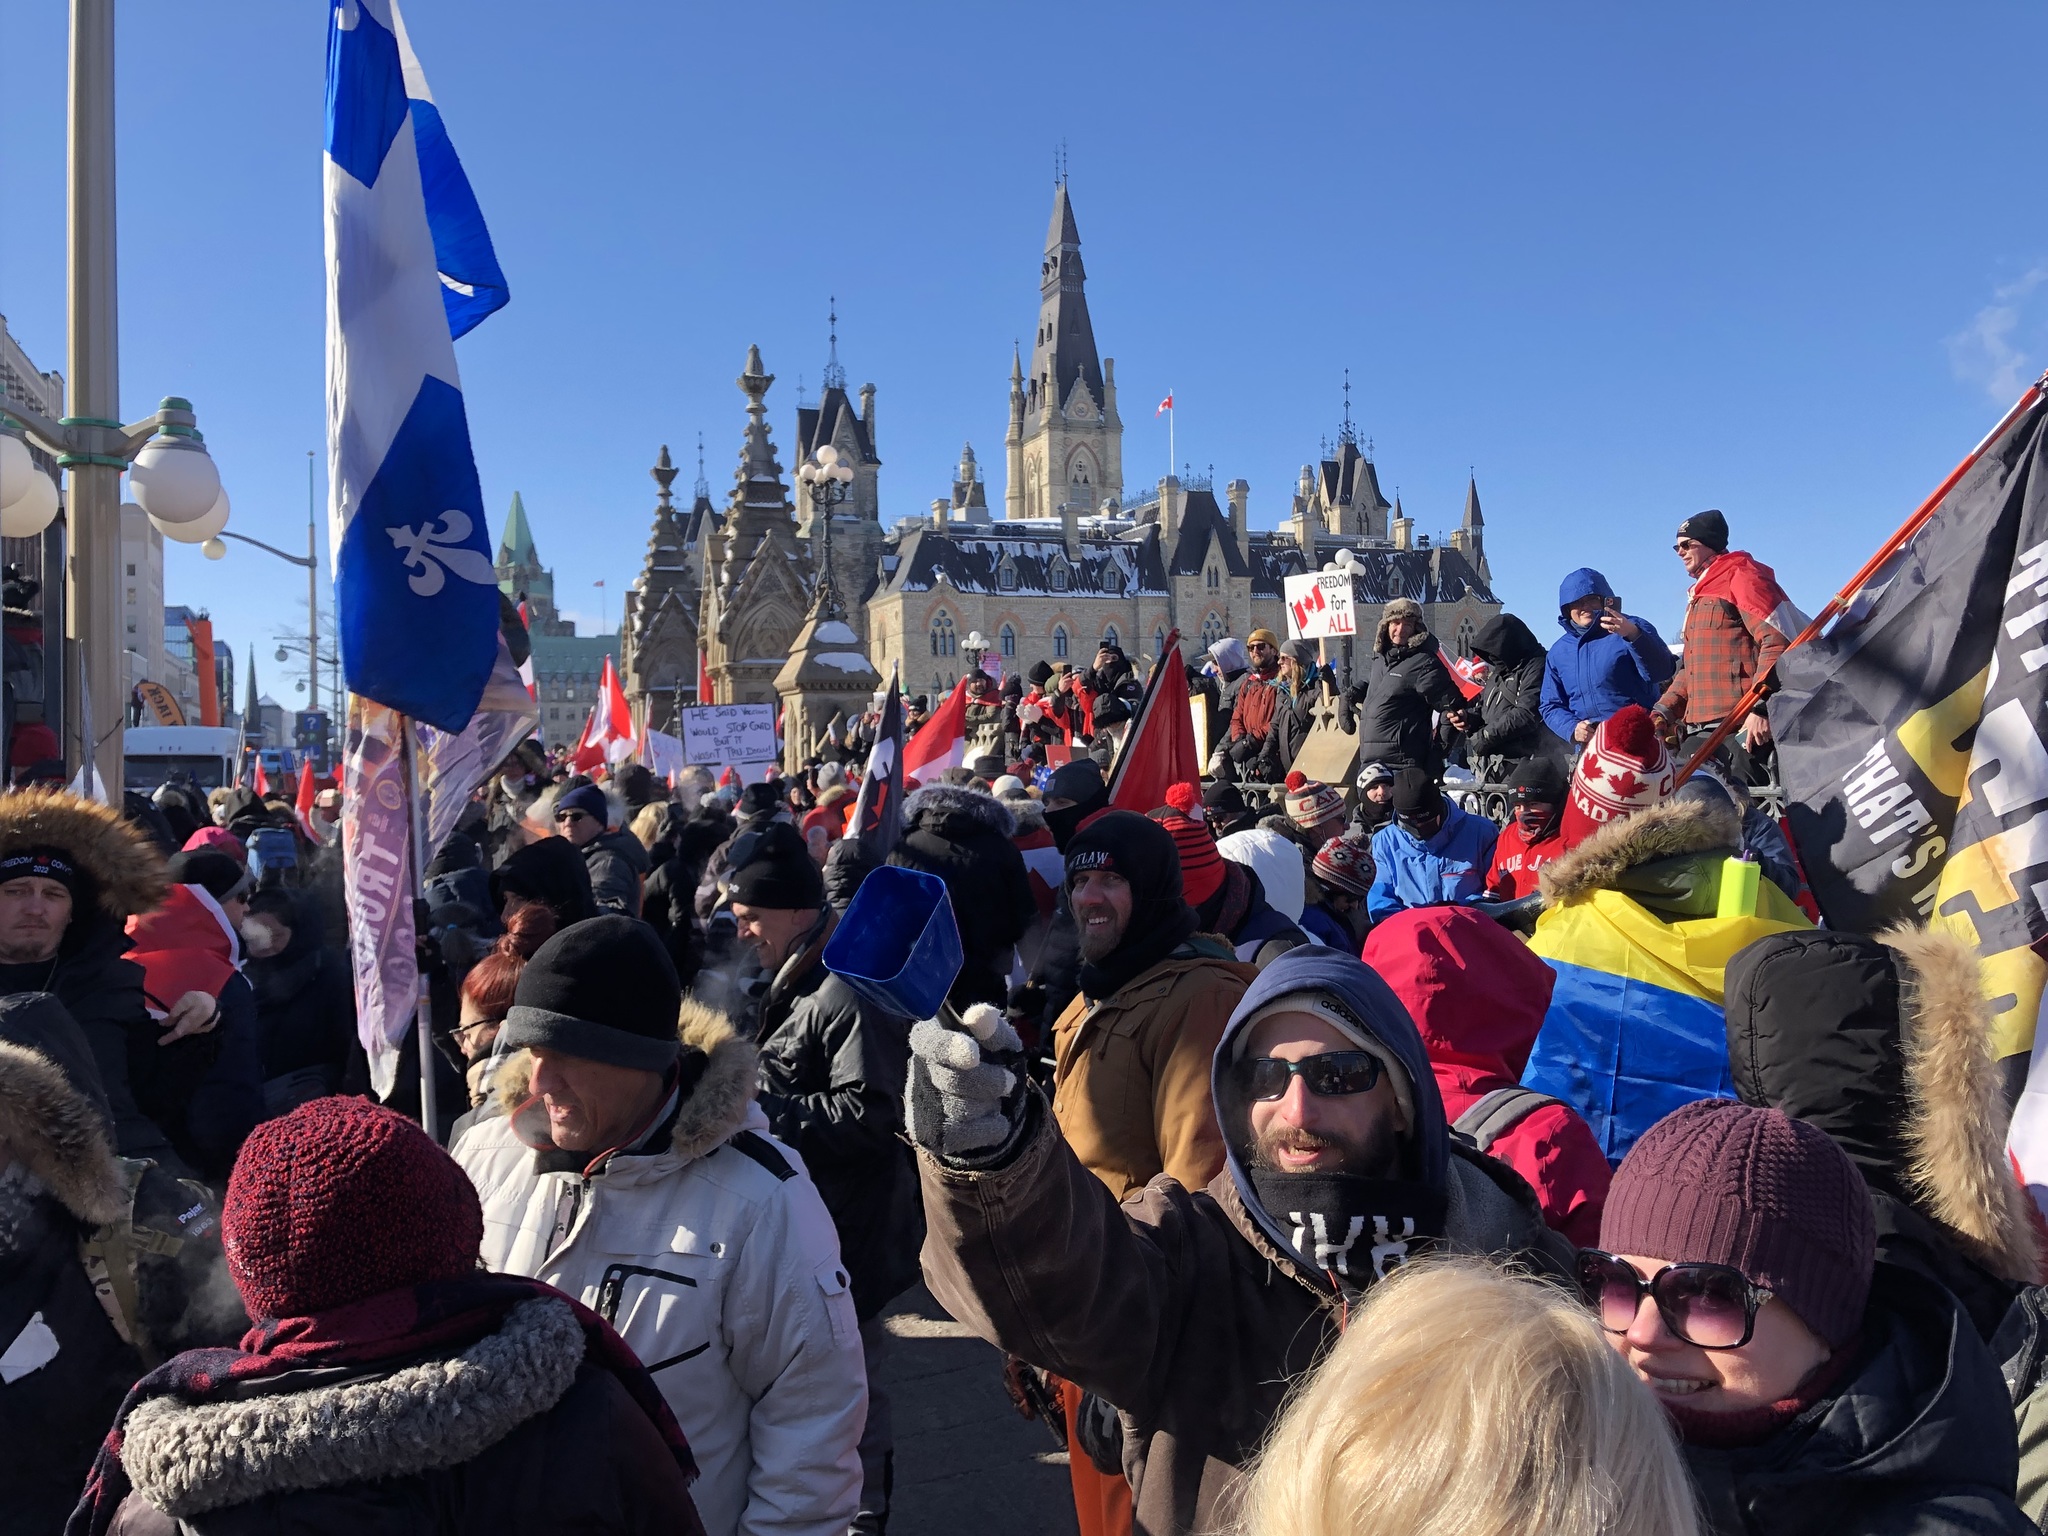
(409, 268)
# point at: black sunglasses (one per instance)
(570, 815)
(1710, 1306)
(1328, 1076)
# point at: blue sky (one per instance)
(1625, 261)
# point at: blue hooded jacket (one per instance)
(1591, 675)
(1451, 866)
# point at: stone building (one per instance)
(566, 665)
(1075, 559)
(658, 629)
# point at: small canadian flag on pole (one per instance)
(1165, 405)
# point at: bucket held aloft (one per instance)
(898, 945)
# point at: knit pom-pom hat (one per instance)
(341, 1200)
(1624, 768)
(1310, 802)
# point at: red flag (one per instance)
(1160, 750)
(1468, 673)
(262, 780)
(941, 742)
(703, 677)
(1165, 405)
(307, 790)
(608, 733)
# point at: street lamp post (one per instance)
(214, 549)
(172, 476)
(828, 480)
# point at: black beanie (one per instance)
(1415, 790)
(222, 877)
(1134, 846)
(761, 800)
(779, 873)
(1709, 528)
(604, 990)
(1040, 673)
(1538, 778)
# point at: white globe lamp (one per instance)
(199, 529)
(175, 481)
(33, 509)
(16, 466)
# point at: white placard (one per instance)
(715, 735)
(1319, 606)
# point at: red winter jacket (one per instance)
(1516, 860)
(1478, 995)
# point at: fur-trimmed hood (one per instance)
(934, 803)
(1029, 816)
(128, 872)
(189, 1458)
(57, 1131)
(1655, 832)
(1886, 1044)
(714, 1109)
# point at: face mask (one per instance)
(262, 937)
(1350, 1227)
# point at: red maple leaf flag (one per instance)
(1160, 750)
(941, 742)
(1165, 405)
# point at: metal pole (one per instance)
(93, 356)
(312, 597)
(423, 1024)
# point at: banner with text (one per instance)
(722, 735)
(1319, 606)
(376, 846)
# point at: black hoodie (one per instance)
(1510, 715)
(551, 871)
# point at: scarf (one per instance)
(1349, 1229)
(439, 1316)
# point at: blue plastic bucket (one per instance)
(898, 945)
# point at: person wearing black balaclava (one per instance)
(1194, 1308)
(1075, 794)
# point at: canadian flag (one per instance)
(304, 804)
(608, 733)
(1468, 672)
(262, 781)
(1165, 405)
(1160, 750)
(941, 742)
(526, 666)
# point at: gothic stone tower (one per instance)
(1065, 443)
(755, 602)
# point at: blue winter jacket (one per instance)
(1591, 675)
(1451, 866)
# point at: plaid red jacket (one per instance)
(1731, 634)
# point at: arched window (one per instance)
(1008, 639)
(1059, 642)
(1006, 575)
(944, 640)
(1111, 637)
(1159, 640)
(1467, 633)
(1212, 630)
(1214, 580)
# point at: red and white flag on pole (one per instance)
(1165, 405)
(262, 784)
(1160, 750)
(608, 733)
(304, 804)
(941, 742)
(1467, 672)
(526, 666)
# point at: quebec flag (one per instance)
(409, 268)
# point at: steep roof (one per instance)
(1439, 574)
(1203, 522)
(1350, 478)
(1064, 348)
(516, 547)
(819, 424)
(1472, 516)
(972, 558)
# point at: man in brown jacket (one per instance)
(1193, 1311)
(1132, 1050)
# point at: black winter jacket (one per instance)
(305, 1012)
(963, 837)
(1393, 701)
(832, 1077)
(1917, 1441)
(567, 1450)
(1509, 705)
(66, 1182)
(617, 862)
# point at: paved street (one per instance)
(965, 1462)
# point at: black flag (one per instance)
(877, 818)
(1910, 735)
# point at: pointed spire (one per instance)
(252, 718)
(1347, 433)
(703, 485)
(1016, 368)
(1064, 350)
(516, 547)
(1473, 519)
(757, 453)
(835, 376)
(664, 475)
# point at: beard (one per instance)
(1372, 1156)
(1099, 944)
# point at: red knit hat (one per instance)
(1624, 768)
(1201, 866)
(1720, 1182)
(1346, 864)
(341, 1200)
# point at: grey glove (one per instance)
(959, 1101)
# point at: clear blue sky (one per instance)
(1627, 261)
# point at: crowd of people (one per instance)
(1307, 1177)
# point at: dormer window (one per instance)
(1062, 578)
(1006, 574)
(1112, 583)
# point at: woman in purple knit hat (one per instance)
(1814, 1390)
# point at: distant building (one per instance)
(566, 666)
(142, 596)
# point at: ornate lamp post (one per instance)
(828, 480)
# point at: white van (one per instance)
(153, 754)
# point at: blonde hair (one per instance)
(650, 823)
(1465, 1401)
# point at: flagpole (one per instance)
(1170, 459)
(1870, 567)
(424, 1017)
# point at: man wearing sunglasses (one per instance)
(1193, 1311)
(616, 860)
(1813, 1388)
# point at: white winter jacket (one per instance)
(717, 1262)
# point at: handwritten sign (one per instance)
(1319, 606)
(717, 734)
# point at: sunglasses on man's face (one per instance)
(1683, 545)
(1328, 1076)
(1710, 1306)
(571, 816)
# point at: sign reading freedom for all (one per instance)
(721, 734)
(1319, 606)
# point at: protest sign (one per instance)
(718, 734)
(1319, 606)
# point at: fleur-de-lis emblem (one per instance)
(433, 549)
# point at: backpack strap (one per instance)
(108, 1251)
(757, 1148)
(1492, 1115)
